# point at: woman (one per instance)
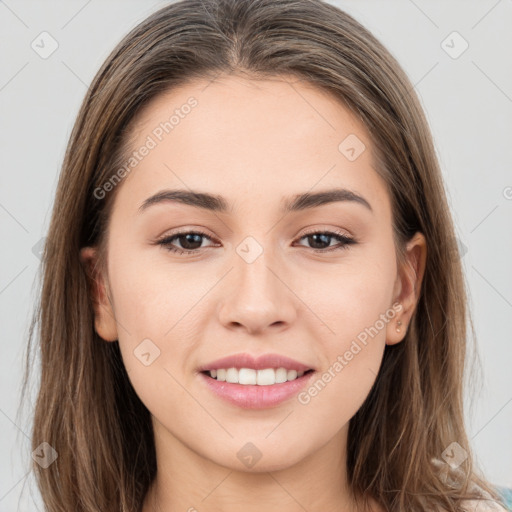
(251, 295)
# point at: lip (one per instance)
(254, 396)
(256, 363)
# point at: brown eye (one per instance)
(320, 241)
(190, 242)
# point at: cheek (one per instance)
(160, 312)
(338, 392)
(152, 296)
(153, 311)
(355, 306)
(352, 296)
(357, 313)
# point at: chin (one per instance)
(250, 459)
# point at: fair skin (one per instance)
(256, 143)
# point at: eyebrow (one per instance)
(217, 203)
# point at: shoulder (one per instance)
(484, 505)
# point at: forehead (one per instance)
(261, 105)
(236, 136)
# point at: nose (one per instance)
(256, 296)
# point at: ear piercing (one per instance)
(399, 323)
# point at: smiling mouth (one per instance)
(252, 377)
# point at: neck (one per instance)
(186, 481)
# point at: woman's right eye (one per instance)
(186, 239)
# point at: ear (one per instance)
(407, 287)
(104, 320)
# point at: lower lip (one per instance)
(256, 397)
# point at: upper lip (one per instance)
(257, 363)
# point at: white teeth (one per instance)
(281, 375)
(266, 377)
(292, 374)
(249, 376)
(232, 375)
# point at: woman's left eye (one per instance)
(191, 242)
(325, 237)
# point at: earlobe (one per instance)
(104, 319)
(408, 287)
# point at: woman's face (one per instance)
(257, 281)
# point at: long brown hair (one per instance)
(86, 408)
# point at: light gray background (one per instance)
(468, 101)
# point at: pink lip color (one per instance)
(253, 396)
(259, 363)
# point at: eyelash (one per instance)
(344, 239)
